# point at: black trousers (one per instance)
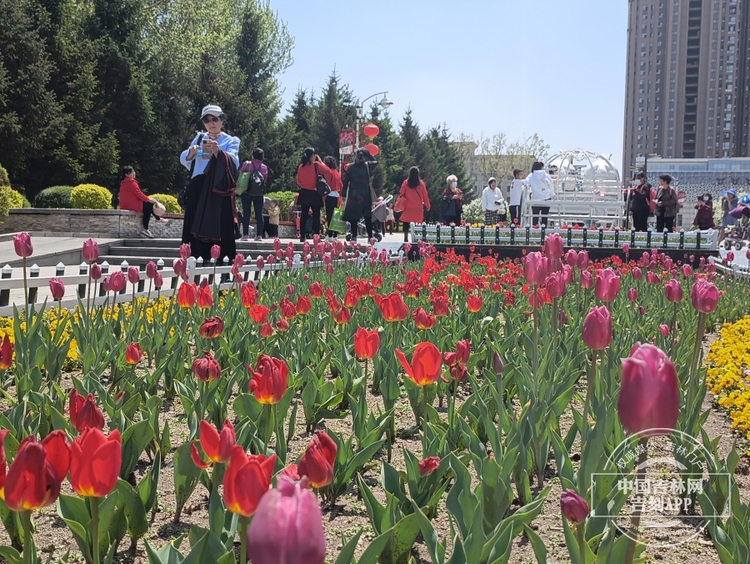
(309, 200)
(331, 203)
(148, 211)
(515, 213)
(664, 223)
(539, 215)
(640, 221)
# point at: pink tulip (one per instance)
(637, 273)
(597, 328)
(185, 251)
(287, 527)
(329, 269)
(649, 393)
(730, 256)
(90, 250)
(607, 285)
(704, 295)
(158, 280)
(133, 275)
(641, 311)
(664, 329)
(107, 284)
(276, 244)
(583, 260)
(687, 270)
(57, 287)
(553, 246)
(260, 263)
(587, 280)
(22, 244)
(180, 267)
(626, 248)
(117, 281)
(673, 291)
(151, 269)
(215, 252)
(571, 257)
(534, 268)
(555, 284)
(632, 294)
(652, 278)
(96, 272)
(573, 507)
(567, 271)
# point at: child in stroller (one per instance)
(737, 235)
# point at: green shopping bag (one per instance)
(337, 221)
(243, 180)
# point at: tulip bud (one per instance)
(497, 363)
(597, 328)
(260, 263)
(583, 260)
(215, 252)
(632, 294)
(664, 329)
(57, 287)
(553, 246)
(687, 270)
(117, 281)
(158, 280)
(649, 392)
(288, 527)
(673, 291)
(96, 272)
(133, 353)
(535, 268)
(22, 245)
(151, 269)
(185, 251)
(587, 280)
(133, 275)
(573, 507)
(637, 273)
(730, 256)
(90, 250)
(607, 285)
(704, 295)
(571, 257)
(626, 248)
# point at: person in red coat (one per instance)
(311, 166)
(131, 198)
(413, 199)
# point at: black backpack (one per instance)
(257, 184)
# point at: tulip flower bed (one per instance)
(446, 410)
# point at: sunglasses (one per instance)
(210, 119)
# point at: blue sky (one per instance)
(552, 67)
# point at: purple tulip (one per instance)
(573, 506)
(90, 250)
(287, 527)
(22, 244)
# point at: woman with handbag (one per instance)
(453, 197)
(131, 198)
(412, 200)
(210, 207)
(311, 174)
(359, 192)
(641, 203)
(332, 199)
(666, 204)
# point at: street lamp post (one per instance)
(384, 103)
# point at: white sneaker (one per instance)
(147, 233)
(162, 221)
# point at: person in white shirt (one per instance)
(542, 188)
(516, 193)
(493, 203)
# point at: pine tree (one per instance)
(334, 111)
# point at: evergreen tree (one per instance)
(334, 111)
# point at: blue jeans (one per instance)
(247, 202)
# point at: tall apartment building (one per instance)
(688, 80)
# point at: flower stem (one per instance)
(691, 383)
(28, 539)
(635, 519)
(25, 290)
(581, 542)
(243, 538)
(95, 529)
(589, 395)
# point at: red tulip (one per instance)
(248, 294)
(461, 355)
(555, 284)
(133, 353)
(587, 280)
(288, 527)
(57, 287)
(425, 366)
(258, 313)
(95, 462)
(211, 328)
(246, 479)
(6, 353)
(217, 446)
(287, 308)
(3, 462)
(607, 285)
(673, 290)
(422, 319)
(34, 478)
(206, 368)
(319, 459)
(185, 251)
(440, 307)
(664, 329)
(134, 276)
(429, 465)
(304, 305)
(205, 297)
(535, 268)
(377, 280)
(291, 472)
(392, 307)
(316, 290)
(553, 246)
(187, 295)
(22, 244)
(474, 302)
(342, 316)
(366, 343)
(90, 250)
(649, 393)
(704, 295)
(269, 382)
(351, 298)
(282, 325)
(573, 507)
(597, 328)
(84, 413)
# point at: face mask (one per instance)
(705, 198)
(454, 184)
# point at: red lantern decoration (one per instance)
(372, 149)
(371, 130)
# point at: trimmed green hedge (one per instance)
(54, 197)
(91, 197)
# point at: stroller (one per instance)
(379, 214)
(737, 235)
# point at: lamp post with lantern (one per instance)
(384, 103)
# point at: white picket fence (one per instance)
(11, 280)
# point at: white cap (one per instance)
(211, 109)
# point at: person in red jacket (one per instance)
(131, 198)
(412, 200)
(307, 178)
